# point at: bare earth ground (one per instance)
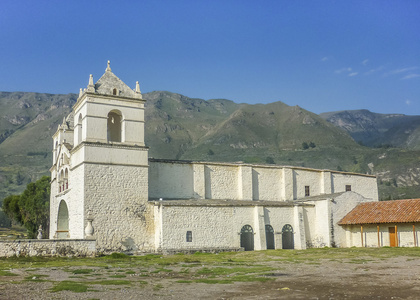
(289, 275)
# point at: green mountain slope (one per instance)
(178, 127)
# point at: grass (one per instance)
(222, 268)
(7, 273)
(82, 271)
(72, 286)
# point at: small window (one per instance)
(189, 236)
(114, 91)
(307, 193)
(348, 188)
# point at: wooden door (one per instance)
(392, 236)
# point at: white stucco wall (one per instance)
(171, 180)
(302, 178)
(406, 236)
(266, 183)
(363, 185)
(205, 180)
(221, 181)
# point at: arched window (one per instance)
(79, 129)
(63, 221)
(55, 151)
(114, 126)
(66, 179)
(61, 181)
(247, 238)
(114, 92)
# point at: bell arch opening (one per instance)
(114, 128)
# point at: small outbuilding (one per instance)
(385, 223)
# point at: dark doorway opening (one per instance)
(287, 237)
(247, 238)
(269, 237)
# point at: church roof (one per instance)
(397, 211)
(110, 81)
(110, 84)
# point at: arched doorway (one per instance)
(287, 237)
(247, 238)
(269, 237)
(63, 221)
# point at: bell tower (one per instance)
(109, 167)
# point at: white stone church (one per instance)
(105, 188)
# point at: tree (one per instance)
(312, 145)
(269, 160)
(32, 207)
(305, 145)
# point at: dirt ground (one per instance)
(383, 278)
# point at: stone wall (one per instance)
(219, 226)
(116, 201)
(78, 248)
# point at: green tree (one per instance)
(312, 145)
(269, 160)
(305, 145)
(32, 207)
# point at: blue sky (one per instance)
(320, 55)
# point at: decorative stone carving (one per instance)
(91, 86)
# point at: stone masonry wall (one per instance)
(219, 226)
(47, 248)
(116, 200)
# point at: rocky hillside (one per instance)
(179, 127)
(372, 129)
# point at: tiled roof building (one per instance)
(398, 211)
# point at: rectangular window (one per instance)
(307, 193)
(348, 188)
(189, 236)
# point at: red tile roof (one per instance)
(396, 211)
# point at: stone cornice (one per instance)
(109, 145)
(104, 96)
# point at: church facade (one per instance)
(104, 187)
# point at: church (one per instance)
(105, 188)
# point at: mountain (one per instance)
(179, 127)
(184, 128)
(373, 129)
